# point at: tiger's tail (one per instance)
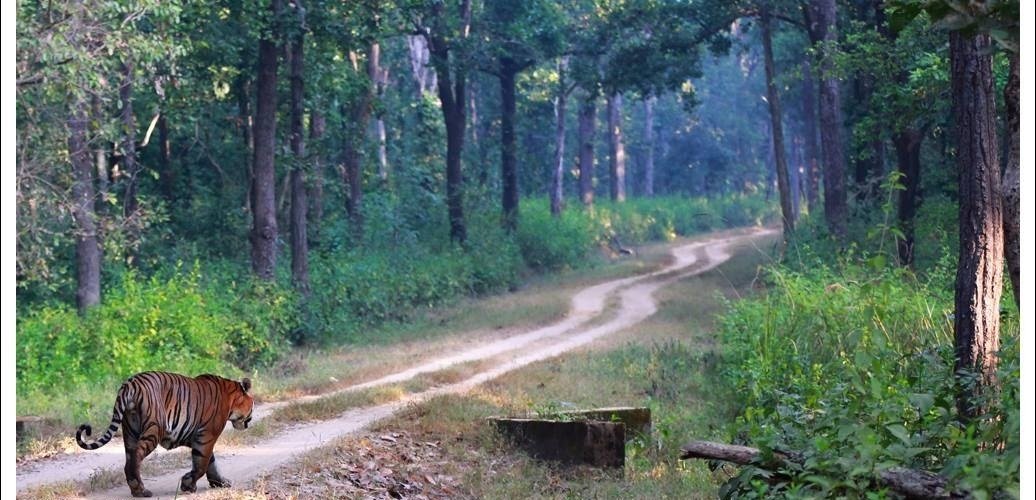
(86, 430)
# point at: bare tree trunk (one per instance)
(809, 97)
(166, 174)
(299, 203)
(424, 76)
(379, 78)
(649, 145)
(101, 159)
(88, 250)
(264, 214)
(980, 265)
(508, 162)
(1011, 182)
(617, 148)
(908, 156)
(777, 128)
(131, 205)
(587, 124)
(835, 206)
(451, 88)
(557, 191)
(244, 104)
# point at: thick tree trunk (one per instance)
(1011, 182)
(508, 162)
(809, 113)
(299, 203)
(88, 250)
(835, 206)
(587, 124)
(908, 157)
(424, 77)
(777, 129)
(617, 149)
(557, 190)
(649, 146)
(980, 265)
(264, 214)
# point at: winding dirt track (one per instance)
(244, 463)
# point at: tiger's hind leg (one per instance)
(137, 448)
(215, 480)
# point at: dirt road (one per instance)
(243, 463)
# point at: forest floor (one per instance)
(407, 424)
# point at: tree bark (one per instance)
(299, 202)
(508, 162)
(980, 264)
(317, 127)
(587, 124)
(166, 174)
(908, 158)
(809, 113)
(649, 145)
(835, 206)
(617, 149)
(777, 128)
(451, 89)
(264, 213)
(379, 78)
(557, 190)
(1011, 183)
(88, 250)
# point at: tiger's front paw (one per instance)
(188, 484)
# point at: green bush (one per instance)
(854, 369)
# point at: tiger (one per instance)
(172, 410)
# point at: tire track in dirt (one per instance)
(244, 463)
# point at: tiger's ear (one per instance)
(246, 384)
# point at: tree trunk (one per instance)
(649, 145)
(317, 127)
(1011, 182)
(379, 79)
(419, 59)
(980, 265)
(508, 162)
(835, 207)
(587, 124)
(244, 104)
(88, 250)
(451, 89)
(777, 129)
(264, 214)
(908, 157)
(166, 174)
(809, 113)
(299, 203)
(131, 205)
(557, 190)
(617, 148)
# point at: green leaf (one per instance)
(900, 433)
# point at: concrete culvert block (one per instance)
(597, 443)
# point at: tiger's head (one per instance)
(241, 405)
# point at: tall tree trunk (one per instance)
(649, 145)
(131, 205)
(264, 214)
(451, 89)
(378, 77)
(835, 206)
(352, 151)
(508, 162)
(166, 175)
(424, 77)
(557, 191)
(103, 172)
(88, 250)
(317, 127)
(587, 124)
(809, 113)
(244, 104)
(299, 203)
(980, 265)
(617, 149)
(908, 157)
(777, 129)
(1011, 182)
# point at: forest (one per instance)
(313, 192)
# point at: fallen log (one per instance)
(912, 484)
